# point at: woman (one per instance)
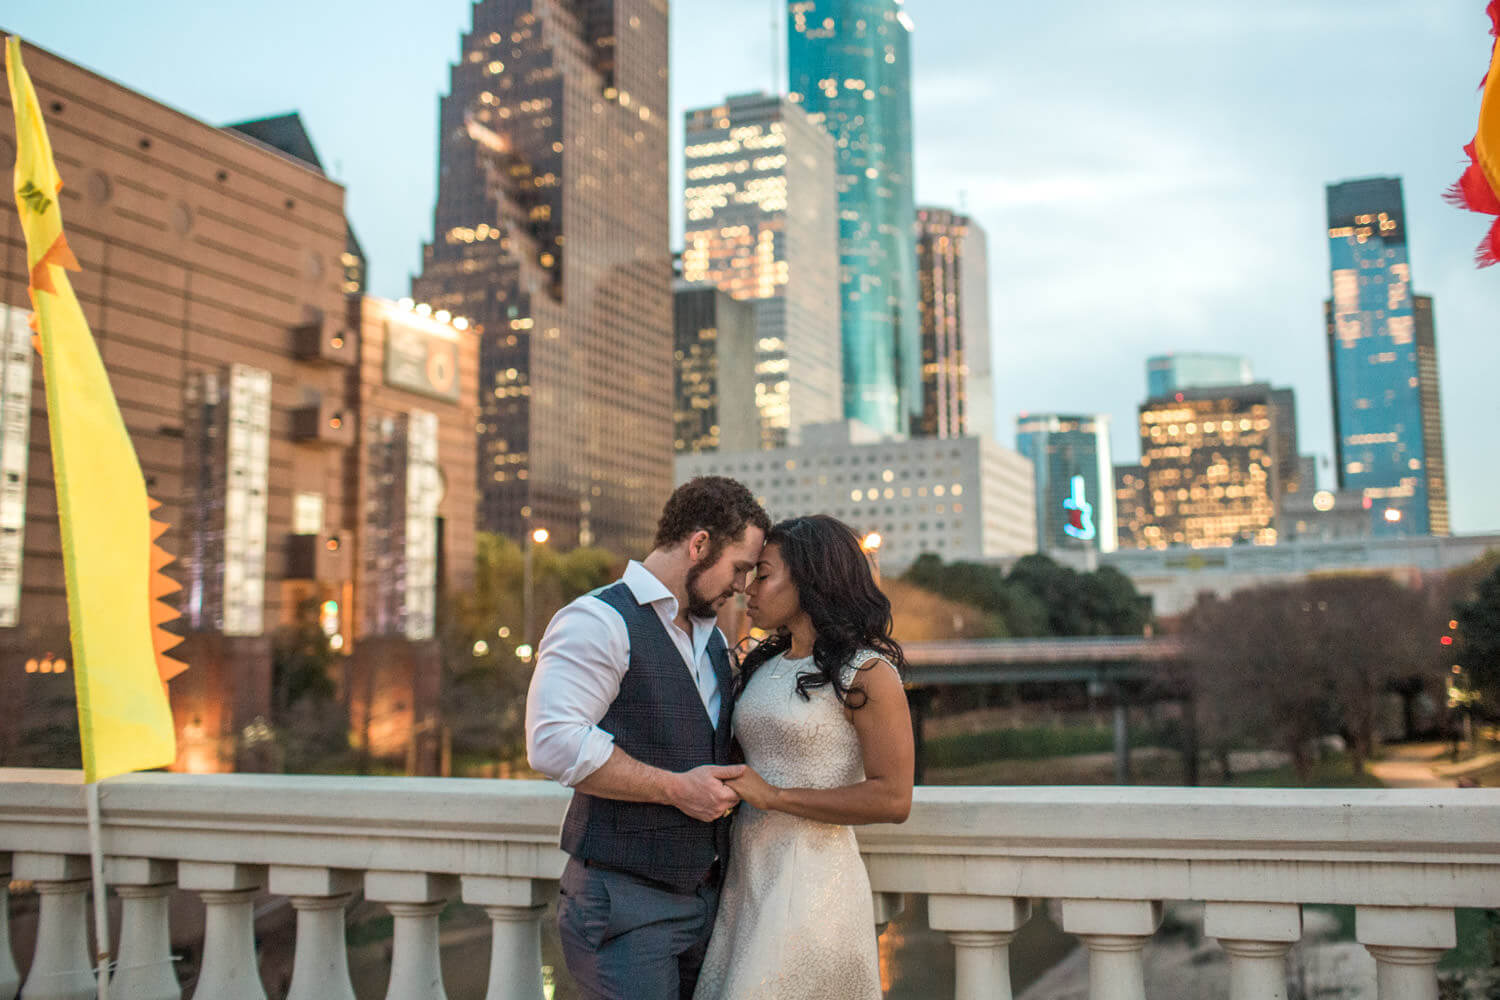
(823, 721)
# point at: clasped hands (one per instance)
(706, 793)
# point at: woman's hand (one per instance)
(752, 788)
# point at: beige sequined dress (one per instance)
(795, 917)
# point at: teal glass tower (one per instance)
(1382, 355)
(849, 65)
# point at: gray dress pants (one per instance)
(625, 938)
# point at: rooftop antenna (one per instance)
(963, 201)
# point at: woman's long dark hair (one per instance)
(837, 590)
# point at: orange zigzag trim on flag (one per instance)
(161, 613)
(59, 254)
(1478, 188)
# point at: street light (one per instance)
(871, 544)
(535, 538)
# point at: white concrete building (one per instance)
(959, 498)
(1174, 577)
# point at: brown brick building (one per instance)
(213, 280)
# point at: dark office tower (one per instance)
(1382, 359)
(714, 405)
(849, 63)
(551, 232)
(1432, 415)
(954, 308)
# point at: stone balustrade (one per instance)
(1111, 856)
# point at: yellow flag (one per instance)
(124, 721)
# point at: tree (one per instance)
(1015, 611)
(1478, 638)
(485, 681)
(309, 725)
(1039, 596)
(920, 615)
(1287, 663)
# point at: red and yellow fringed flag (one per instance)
(1479, 188)
(112, 562)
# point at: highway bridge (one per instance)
(1011, 661)
(1114, 667)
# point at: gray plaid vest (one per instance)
(658, 718)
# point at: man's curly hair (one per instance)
(719, 505)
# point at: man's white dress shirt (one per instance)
(580, 662)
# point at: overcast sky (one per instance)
(1150, 175)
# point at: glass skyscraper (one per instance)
(1382, 359)
(849, 64)
(1167, 373)
(1075, 485)
(762, 224)
(551, 232)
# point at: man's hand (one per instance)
(754, 789)
(701, 792)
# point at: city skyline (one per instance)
(1147, 185)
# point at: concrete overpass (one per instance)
(1010, 661)
(1110, 662)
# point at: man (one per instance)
(630, 707)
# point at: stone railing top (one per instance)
(1194, 843)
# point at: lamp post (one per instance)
(535, 538)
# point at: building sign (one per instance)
(404, 489)
(15, 440)
(423, 493)
(421, 361)
(1079, 513)
(245, 500)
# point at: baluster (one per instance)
(415, 900)
(228, 892)
(1115, 931)
(981, 929)
(1406, 942)
(887, 906)
(320, 967)
(143, 970)
(1256, 937)
(515, 908)
(60, 965)
(10, 976)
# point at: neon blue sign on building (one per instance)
(1078, 513)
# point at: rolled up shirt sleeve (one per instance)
(580, 662)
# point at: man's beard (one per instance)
(698, 605)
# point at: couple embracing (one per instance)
(710, 834)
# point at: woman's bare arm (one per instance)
(883, 725)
